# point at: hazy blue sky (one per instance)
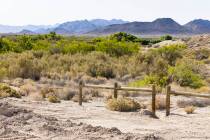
(21, 12)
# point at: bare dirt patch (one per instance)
(21, 123)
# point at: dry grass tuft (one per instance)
(53, 99)
(189, 109)
(122, 105)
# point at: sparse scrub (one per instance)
(119, 56)
(122, 105)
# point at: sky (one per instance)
(46, 12)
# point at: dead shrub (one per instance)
(122, 105)
(189, 109)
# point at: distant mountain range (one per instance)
(103, 27)
(16, 29)
(159, 26)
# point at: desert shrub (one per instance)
(78, 47)
(53, 99)
(25, 66)
(171, 53)
(6, 91)
(186, 73)
(25, 42)
(118, 49)
(54, 36)
(122, 105)
(166, 37)
(159, 74)
(5, 45)
(189, 109)
(101, 70)
(122, 36)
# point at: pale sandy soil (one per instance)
(133, 125)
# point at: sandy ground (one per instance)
(132, 125)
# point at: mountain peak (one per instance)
(164, 20)
(199, 26)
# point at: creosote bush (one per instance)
(122, 105)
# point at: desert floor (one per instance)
(26, 119)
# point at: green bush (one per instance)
(186, 74)
(171, 52)
(166, 37)
(25, 42)
(118, 49)
(122, 36)
(78, 47)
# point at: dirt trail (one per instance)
(177, 126)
